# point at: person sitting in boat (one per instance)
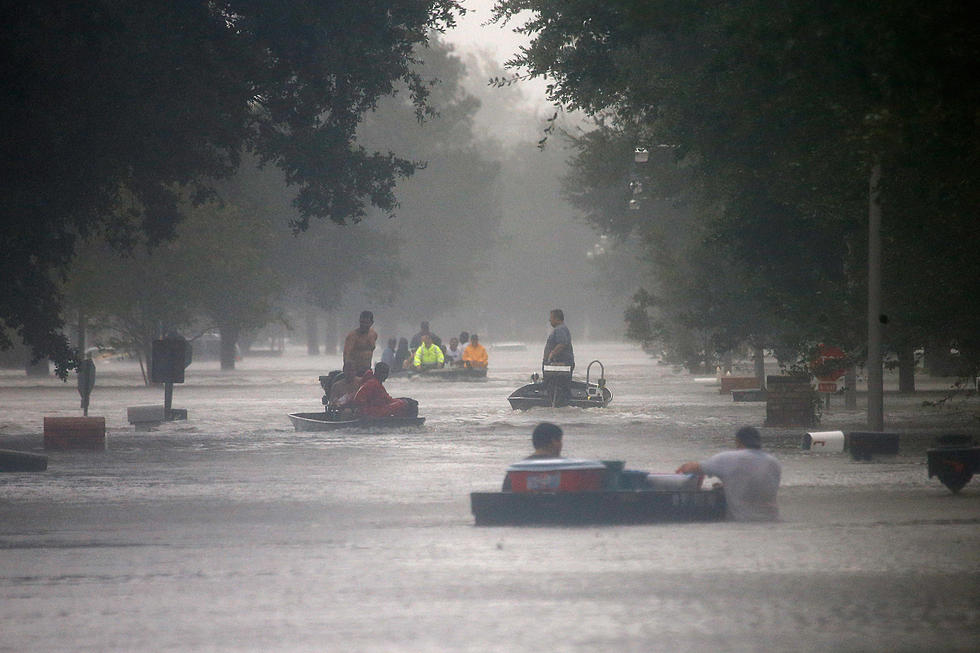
(546, 439)
(464, 339)
(388, 354)
(342, 391)
(372, 400)
(402, 354)
(454, 353)
(428, 355)
(475, 354)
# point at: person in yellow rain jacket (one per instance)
(475, 354)
(428, 355)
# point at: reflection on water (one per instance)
(232, 532)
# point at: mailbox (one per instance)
(170, 356)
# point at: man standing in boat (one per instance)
(558, 351)
(360, 343)
(749, 476)
(417, 338)
(558, 348)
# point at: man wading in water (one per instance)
(749, 476)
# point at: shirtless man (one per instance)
(360, 343)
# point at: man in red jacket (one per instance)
(372, 400)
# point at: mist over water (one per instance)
(233, 532)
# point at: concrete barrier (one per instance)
(74, 433)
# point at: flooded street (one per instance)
(233, 532)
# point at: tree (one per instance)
(144, 97)
(226, 250)
(449, 213)
(781, 110)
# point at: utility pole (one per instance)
(876, 412)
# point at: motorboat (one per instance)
(556, 387)
(331, 420)
(563, 491)
(324, 421)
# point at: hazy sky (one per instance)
(497, 42)
(472, 35)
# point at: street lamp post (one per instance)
(876, 412)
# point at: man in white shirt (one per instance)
(454, 354)
(750, 477)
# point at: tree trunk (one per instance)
(81, 328)
(229, 338)
(850, 391)
(330, 334)
(312, 343)
(906, 369)
(759, 360)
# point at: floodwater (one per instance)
(233, 532)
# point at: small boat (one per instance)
(330, 420)
(509, 346)
(569, 491)
(326, 422)
(452, 373)
(555, 387)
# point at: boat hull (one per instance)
(451, 374)
(581, 395)
(603, 507)
(319, 422)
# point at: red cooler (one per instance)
(556, 475)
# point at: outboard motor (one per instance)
(326, 382)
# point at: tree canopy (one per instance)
(777, 112)
(106, 100)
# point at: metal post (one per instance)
(876, 413)
(168, 400)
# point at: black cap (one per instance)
(750, 437)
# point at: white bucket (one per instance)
(823, 442)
